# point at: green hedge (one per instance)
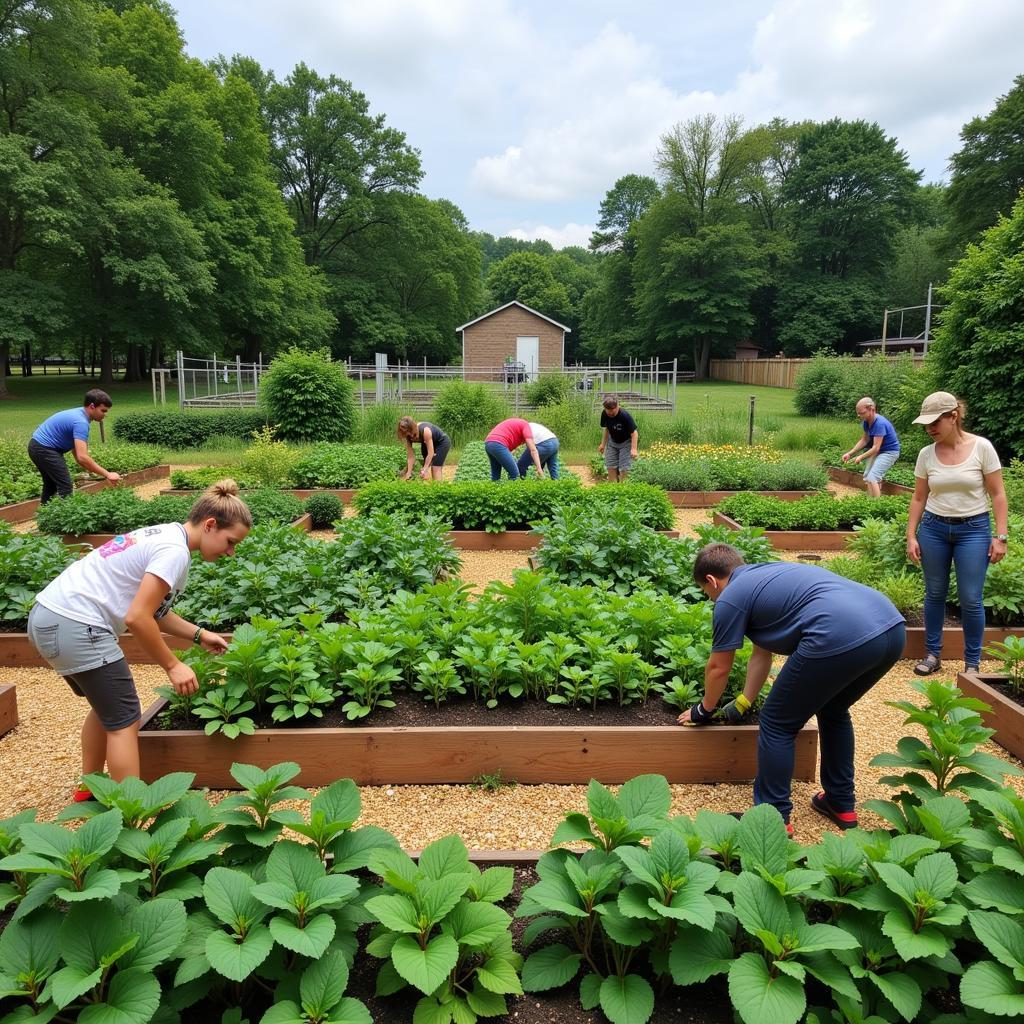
(817, 512)
(513, 504)
(178, 428)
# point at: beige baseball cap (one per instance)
(935, 405)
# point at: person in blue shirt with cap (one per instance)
(68, 431)
(840, 637)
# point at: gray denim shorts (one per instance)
(91, 661)
(617, 455)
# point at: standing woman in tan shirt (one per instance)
(955, 477)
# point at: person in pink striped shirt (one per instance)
(503, 440)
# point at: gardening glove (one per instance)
(736, 710)
(698, 716)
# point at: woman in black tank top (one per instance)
(434, 447)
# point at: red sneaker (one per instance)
(844, 819)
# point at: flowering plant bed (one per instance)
(457, 754)
(8, 709)
(1005, 711)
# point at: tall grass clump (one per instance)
(377, 423)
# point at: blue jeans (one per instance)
(547, 452)
(825, 688)
(965, 545)
(501, 459)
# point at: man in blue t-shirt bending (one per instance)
(840, 637)
(68, 431)
(880, 443)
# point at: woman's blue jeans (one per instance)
(964, 545)
(501, 459)
(547, 452)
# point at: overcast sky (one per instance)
(525, 112)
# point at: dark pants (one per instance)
(826, 688)
(54, 470)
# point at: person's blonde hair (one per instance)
(961, 412)
(221, 502)
(408, 427)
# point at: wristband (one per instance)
(197, 634)
(1004, 537)
(699, 716)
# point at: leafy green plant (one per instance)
(308, 396)
(440, 932)
(324, 509)
(349, 465)
(549, 389)
(268, 462)
(461, 408)
(200, 479)
(27, 564)
(268, 505)
(818, 512)
(119, 457)
(901, 473)
(1010, 654)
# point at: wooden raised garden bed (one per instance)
(1006, 716)
(852, 479)
(528, 754)
(17, 651)
(507, 540)
(708, 499)
(953, 640)
(8, 709)
(796, 540)
(25, 510)
(344, 494)
(304, 523)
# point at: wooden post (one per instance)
(750, 422)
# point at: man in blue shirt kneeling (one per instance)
(68, 431)
(840, 637)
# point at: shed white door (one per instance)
(528, 353)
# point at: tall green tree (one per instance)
(849, 193)
(977, 351)
(988, 168)
(48, 150)
(527, 277)
(624, 204)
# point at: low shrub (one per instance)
(463, 409)
(513, 504)
(269, 505)
(267, 462)
(1013, 481)
(348, 465)
(832, 385)
(200, 479)
(28, 562)
(180, 428)
(549, 389)
(816, 512)
(325, 510)
(309, 397)
(19, 478)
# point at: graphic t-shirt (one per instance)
(511, 433)
(620, 426)
(885, 430)
(99, 588)
(62, 429)
(784, 605)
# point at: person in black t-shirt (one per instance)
(620, 440)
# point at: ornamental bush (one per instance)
(325, 509)
(462, 409)
(309, 397)
(179, 428)
(121, 457)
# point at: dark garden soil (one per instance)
(412, 711)
(1006, 689)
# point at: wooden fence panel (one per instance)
(771, 373)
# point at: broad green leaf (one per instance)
(285, 1012)
(1002, 936)
(324, 981)
(427, 968)
(911, 945)
(601, 803)
(485, 1003)
(69, 983)
(638, 861)
(132, 998)
(229, 897)
(635, 901)
(831, 973)
(430, 1011)
(476, 924)
(311, 940)
(901, 990)
(248, 776)
(992, 988)
(813, 937)
(293, 865)
(550, 967)
(389, 981)
(627, 999)
(237, 960)
(445, 857)
(997, 890)
(558, 894)
(761, 999)
(91, 934)
(539, 925)
(590, 991)
(100, 883)
(763, 840)
(670, 855)
(690, 905)
(353, 849)
(98, 835)
(396, 912)
(937, 875)
(498, 975)
(574, 828)
(626, 931)
(339, 802)
(493, 885)
(396, 867)
(46, 840)
(1009, 858)
(161, 926)
(759, 906)
(697, 955)
(31, 946)
(438, 896)
(645, 797)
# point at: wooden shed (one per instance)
(516, 334)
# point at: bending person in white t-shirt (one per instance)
(955, 477)
(547, 451)
(130, 583)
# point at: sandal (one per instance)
(929, 664)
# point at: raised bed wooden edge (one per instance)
(345, 494)
(1006, 716)
(16, 650)
(8, 708)
(303, 523)
(853, 479)
(537, 754)
(796, 540)
(708, 499)
(25, 510)
(507, 540)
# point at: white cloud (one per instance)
(569, 234)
